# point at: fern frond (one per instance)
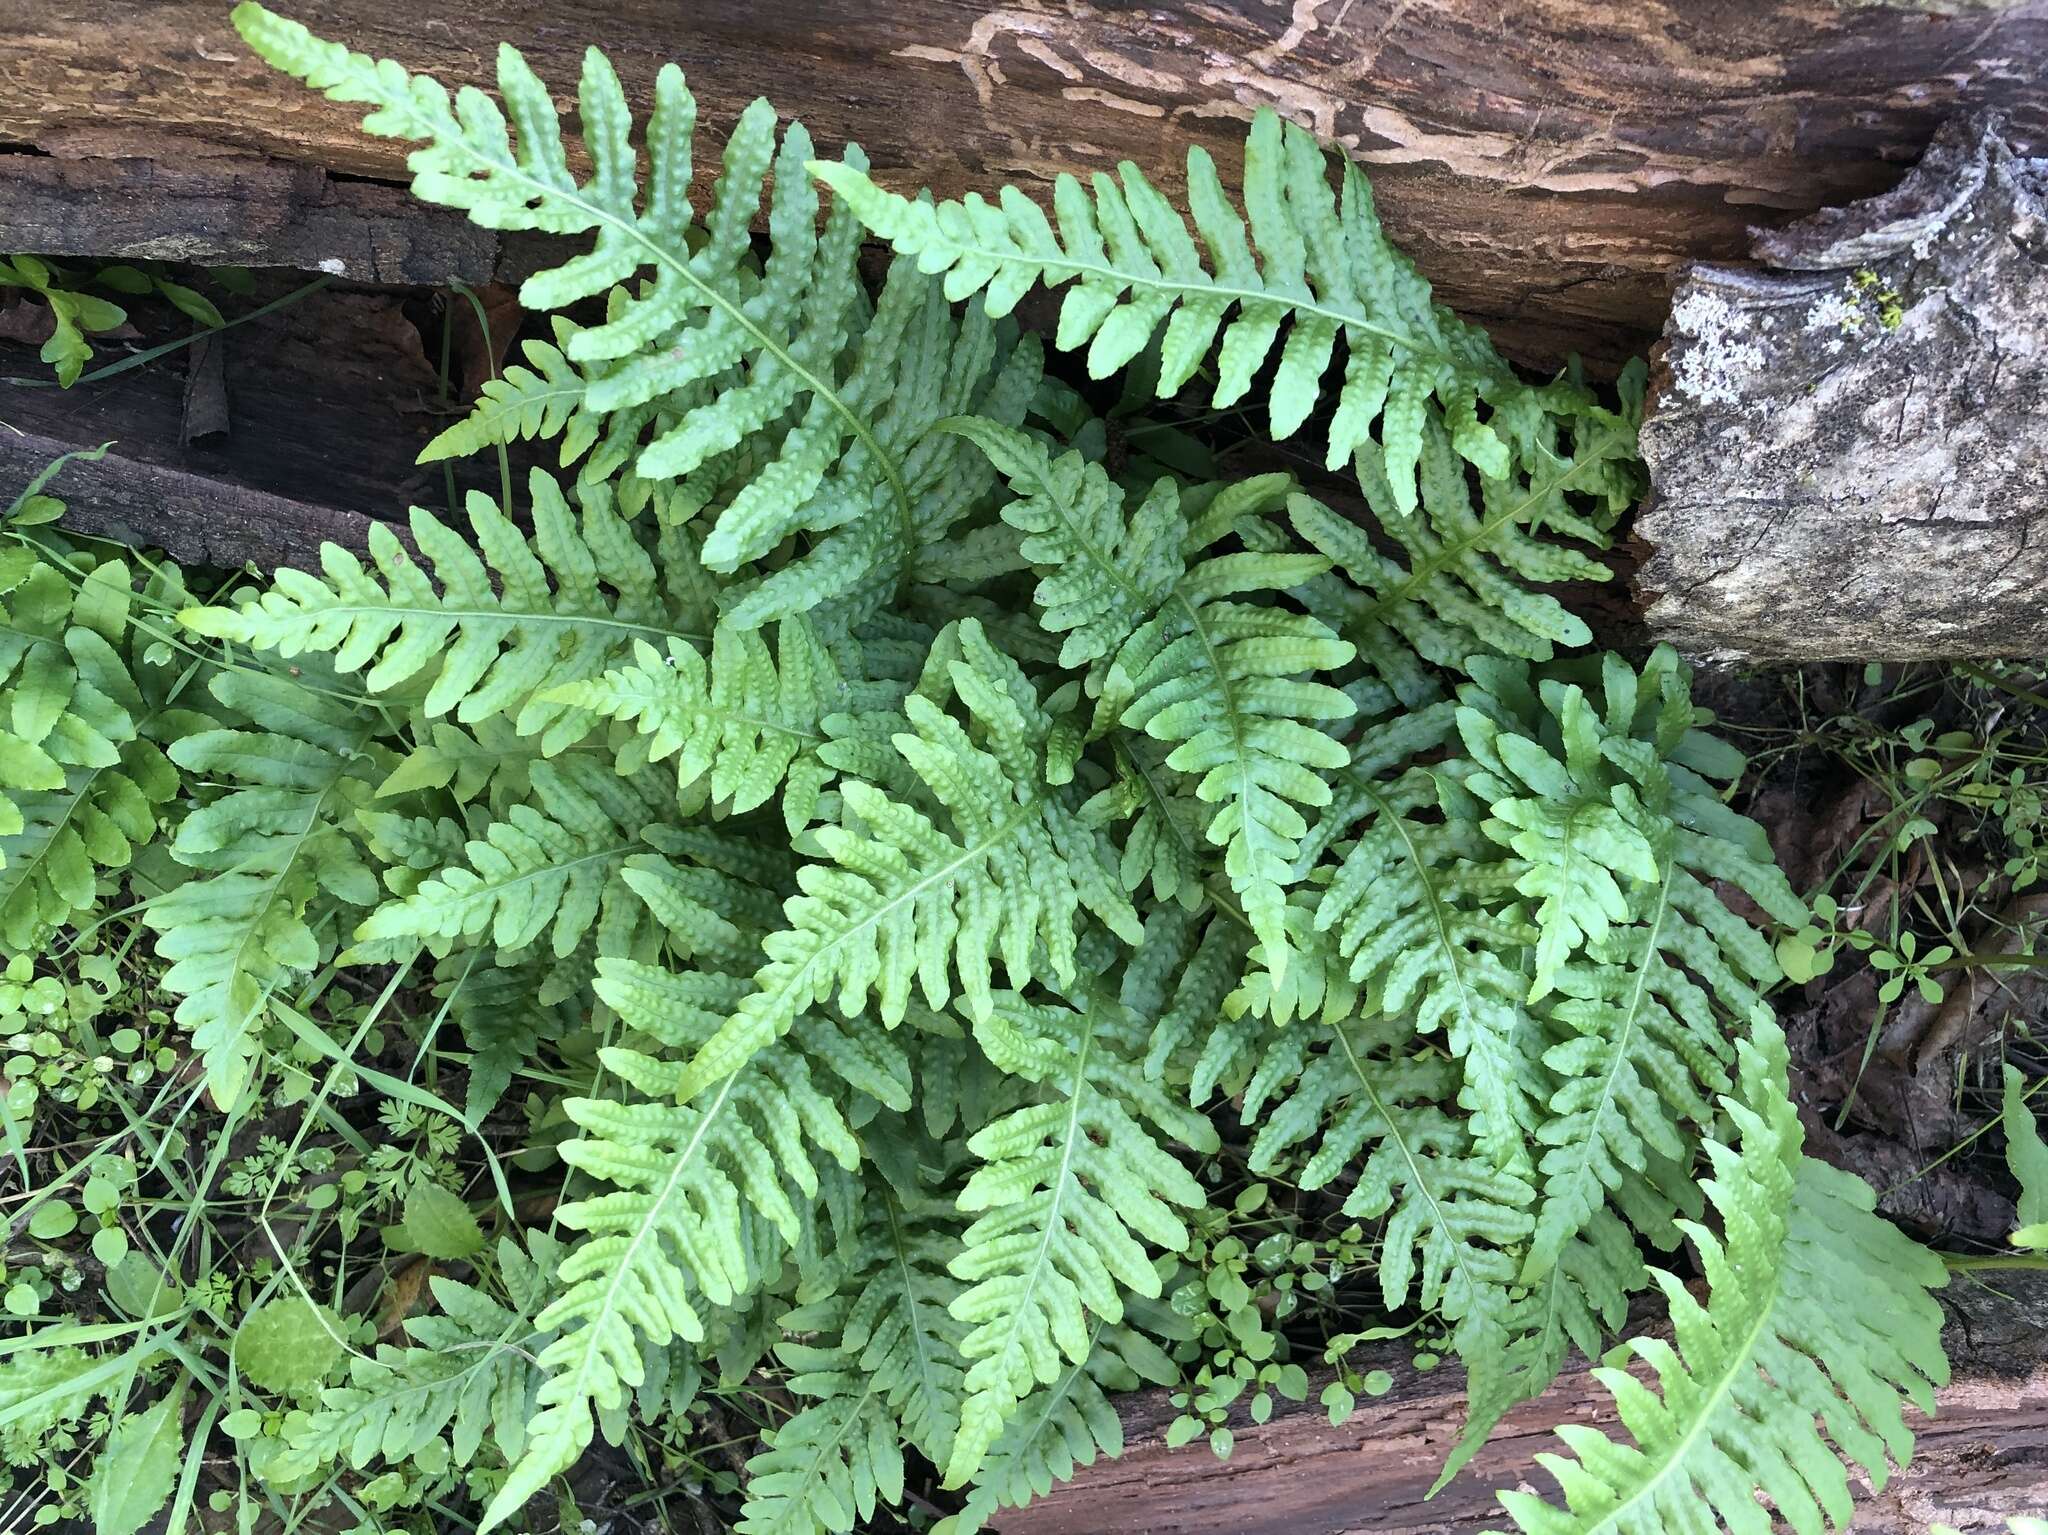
(825, 1471)
(1072, 1188)
(557, 867)
(1222, 681)
(697, 1187)
(739, 726)
(902, 898)
(1463, 580)
(522, 403)
(462, 1374)
(1423, 909)
(1323, 268)
(513, 619)
(767, 385)
(263, 852)
(1368, 1101)
(1816, 1328)
(1061, 1427)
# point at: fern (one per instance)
(1219, 679)
(1817, 1318)
(902, 898)
(1454, 1217)
(529, 617)
(1069, 1185)
(866, 824)
(772, 393)
(266, 855)
(739, 726)
(1323, 269)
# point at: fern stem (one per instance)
(1984, 1263)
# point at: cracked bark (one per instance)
(1549, 165)
(1845, 450)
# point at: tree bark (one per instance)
(1983, 1457)
(1548, 164)
(1846, 452)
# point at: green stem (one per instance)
(1978, 1263)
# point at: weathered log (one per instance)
(1847, 453)
(1549, 165)
(1983, 1457)
(306, 428)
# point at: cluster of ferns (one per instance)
(955, 826)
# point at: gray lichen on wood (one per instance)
(1849, 450)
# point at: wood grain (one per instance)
(1548, 163)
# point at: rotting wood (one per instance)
(1846, 453)
(1984, 1457)
(1547, 165)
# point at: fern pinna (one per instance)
(941, 857)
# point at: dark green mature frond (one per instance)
(513, 619)
(556, 868)
(902, 898)
(1817, 1327)
(1071, 1188)
(274, 843)
(1226, 683)
(465, 1364)
(1323, 269)
(1463, 580)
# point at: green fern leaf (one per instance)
(263, 854)
(1220, 680)
(1816, 1326)
(738, 726)
(1069, 1186)
(825, 1471)
(498, 634)
(904, 899)
(1323, 269)
(1454, 1219)
(696, 1189)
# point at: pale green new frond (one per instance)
(887, 1327)
(1364, 1099)
(901, 899)
(696, 1188)
(1072, 1188)
(1323, 268)
(545, 400)
(1227, 684)
(739, 726)
(512, 619)
(1816, 1330)
(274, 843)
